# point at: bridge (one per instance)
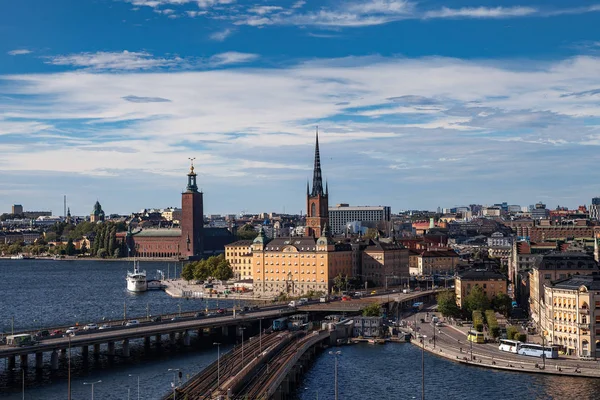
(180, 329)
(397, 299)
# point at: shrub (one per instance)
(511, 332)
(521, 337)
(479, 327)
(495, 331)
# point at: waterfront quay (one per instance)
(450, 341)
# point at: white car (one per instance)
(105, 326)
(133, 322)
(72, 330)
(90, 327)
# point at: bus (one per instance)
(510, 346)
(536, 350)
(24, 339)
(280, 324)
(475, 337)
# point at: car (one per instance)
(42, 334)
(254, 307)
(133, 322)
(90, 327)
(439, 324)
(157, 318)
(221, 311)
(57, 332)
(72, 330)
(374, 292)
(105, 326)
(246, 308)
(211, 314)
(199, 314)
(346, 298)
(176, 318)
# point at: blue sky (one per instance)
(419, 103)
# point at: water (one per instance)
(59, 293)
(393, 371)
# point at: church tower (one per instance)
(317, 200)
(192, 219)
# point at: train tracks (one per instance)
(213, 381)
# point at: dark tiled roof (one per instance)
(301, 243)
(481, 275)
(239, 243)
(568, 260)
(591, 282)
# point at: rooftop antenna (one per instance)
(65, 205)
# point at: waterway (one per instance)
(48, 293)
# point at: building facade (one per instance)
(384, 263)
(239, 255)
(492, 283)
(434, 261)
(342, 214)
(552, 267)
(571, 315)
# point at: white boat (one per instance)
(136, 280)
(17, 257)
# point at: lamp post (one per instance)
(471, 342)
(423, 337)
(69, 373)
(92, 383)
(174, 370)
(242, 329)
(138, 384)
(218, 363)
(335, 355)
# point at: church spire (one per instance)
(317, 188)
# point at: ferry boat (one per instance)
(136, 280)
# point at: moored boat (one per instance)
(136, 280)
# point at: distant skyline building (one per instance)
(17, 209)
(343, 213)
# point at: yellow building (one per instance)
(239, 255)
(298, 265)
(385, 259)
(492, 283)
(552, 267)
(571, 315)
(434, 261)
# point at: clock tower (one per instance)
(317, 199)
(191, 245)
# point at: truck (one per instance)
(324, 299)
(24, 339)
(418, 306)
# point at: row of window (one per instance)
(289, 271)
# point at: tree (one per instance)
(511, 331)
(372, 310)
(201, 270)
(476, 300)
(340, 282)
(187, 272)
(371, 233)
(447, 304)
(223, 271)
(502, 303)
(247, 232)
(84, 248)
(101, 253)
(70, 248)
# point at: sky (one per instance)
(419, 104)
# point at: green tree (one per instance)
(187, 272)
(502, 303)
(101, 253)
(447, 304)
(247, 232)
(223, 271)
(511, 332)
(371, 233)
(51, 236)
(202, 270)
(372, 310)
(70, 248)
(340, 282)
(476, 300)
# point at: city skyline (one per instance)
(419, 105)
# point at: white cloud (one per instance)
(299, 4)
(194, 14)
(221, 35)
(19, 52)
(232, 57)
(262, 10)
(125, 60)
(481, 12)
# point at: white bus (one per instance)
(536, 350)
(510, 346)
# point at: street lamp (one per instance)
(92, 383)
(218, 363)
(138, 384)
(69, 373)
(174, 370)
(423, 337)
(471, 341)
(242, 328)
(336, 354)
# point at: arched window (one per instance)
(313, 210)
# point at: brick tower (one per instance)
(317, 200)
(192, 219)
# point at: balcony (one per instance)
(585, 311)
(584, 325)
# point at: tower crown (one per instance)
(317, 187)
(192, 186)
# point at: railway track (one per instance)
(256, 389)
(205, 385)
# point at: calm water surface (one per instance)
(59, 293)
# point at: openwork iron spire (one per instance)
(317, 188)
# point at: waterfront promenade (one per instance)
(451, 343)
